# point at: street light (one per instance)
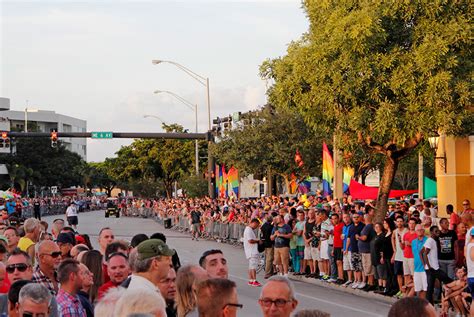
(191, 106)
(434, 143)
(153, 116)
(26, 116)
(201, 79)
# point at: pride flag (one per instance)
(328, 170)
(348, 175)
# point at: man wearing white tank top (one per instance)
(397, 258)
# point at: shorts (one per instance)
(72, 221)
(346, 262)
(315, 254)
(408, 266)
(356, 261)
(196, 227)
(367, 264)
(381, 272)
(307, 253)
(337, 254)
(282, 255)
(324, 251)
(253, 262)
(421, 281)
(470, 283)
(398, 268)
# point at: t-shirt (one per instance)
(345, 232)
(355, 229)
(399, 237)
(195, 216)
(445, 243)
(364, 246)
(454, 220)
(300, 239)
(36, 206)
(407, 251)
(326, 228)
(281, 242)
(416, 246)
(251, 249)
(337, 235)
(71, 211)
(309, 229)
(433, 254)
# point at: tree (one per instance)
(266, 143)
(384, 75)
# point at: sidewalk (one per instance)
(349, 290)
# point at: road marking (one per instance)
(323, 300)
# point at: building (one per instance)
(47, 121)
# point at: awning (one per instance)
(359, 191)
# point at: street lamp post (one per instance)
(193, 107)
(153, 116)
(205, 82)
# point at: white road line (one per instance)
(324, 301)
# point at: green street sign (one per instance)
(102, 135)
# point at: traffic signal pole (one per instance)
(119, 135)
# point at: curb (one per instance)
(369, 295)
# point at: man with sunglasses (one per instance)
(49, 258)
(278, 297)
(217, 298)
(19, 266)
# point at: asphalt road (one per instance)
(309, 296)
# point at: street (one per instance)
(309, 296)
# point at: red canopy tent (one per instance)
(359, 191)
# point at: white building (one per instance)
(47, 121)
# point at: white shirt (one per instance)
(433, 254)
(71, 211)
(399, 236)
(469, 262)
(251, 249)
(138, 282)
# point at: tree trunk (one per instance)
(390, 168)
(270, 183)
(168, 188)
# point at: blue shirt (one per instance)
(345, 232)
(11, 207)
(416, 246)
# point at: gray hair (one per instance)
(285, 280)
(37, 293)
(105, 307)
(30, 225)
(141, 266)
(311, 313)
(142, 301)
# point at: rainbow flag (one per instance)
(328, 170)
(348, 175)
(233, 182)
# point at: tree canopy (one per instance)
(380, 75)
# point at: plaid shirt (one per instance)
(40, 278)
(69, 306)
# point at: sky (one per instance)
(92, 60)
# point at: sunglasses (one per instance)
(21, 267)
(54, 255)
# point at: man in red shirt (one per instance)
(118, 270)
(337, 246)
(408, 259)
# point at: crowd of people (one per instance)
(411, 254)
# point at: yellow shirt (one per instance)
(24, 243)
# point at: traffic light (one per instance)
(5, 141)
(54, 139)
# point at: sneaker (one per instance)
(347, 283)
(256, 284)
(355, 285)
(361, 285)
(398, 294)
(331, 280)
(250, 283)
(285, 275)
(339, 282)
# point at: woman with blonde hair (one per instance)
(187, 279)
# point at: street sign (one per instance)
(102, 135)
(54, 189)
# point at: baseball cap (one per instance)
(153, 247)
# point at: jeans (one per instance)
(432, 275)
(449, 267)
(295, 261)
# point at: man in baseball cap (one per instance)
(152, 264)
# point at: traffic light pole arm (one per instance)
(123, 135)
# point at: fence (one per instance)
(231, 233)
(53, 209)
